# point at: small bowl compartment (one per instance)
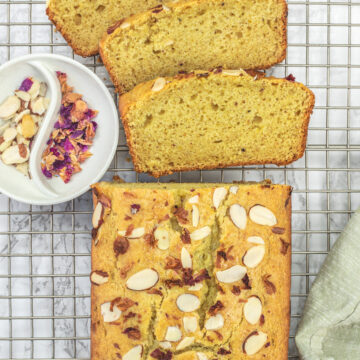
(11, 79)
(39, 189)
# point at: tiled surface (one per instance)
(45, 250)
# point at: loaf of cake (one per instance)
(195, 34)
(205, 120)
(190, 271)
(83, 22)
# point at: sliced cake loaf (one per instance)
(205, 120)
(196, 34)
(83, 22)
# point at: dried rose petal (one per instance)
(135, 208)
(46, 172)
(160, 355)
(72, 135)
(26, 84)
(65, 111)
(76, 134)
(59, 164)
(67, 145)
(290, 77)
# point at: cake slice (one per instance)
(190, 271)
(83, 22)
(196, 34)
(221, 118)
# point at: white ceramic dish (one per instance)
(40, 190)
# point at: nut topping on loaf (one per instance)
(196, 299)
(98, 277)
(158, 84)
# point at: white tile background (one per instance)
(45, 250)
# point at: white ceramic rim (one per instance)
(106, 164)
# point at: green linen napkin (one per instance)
(330, 326)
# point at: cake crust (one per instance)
(143, 91)
(67, 36)
(148, 313)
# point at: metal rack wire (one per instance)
(45, 250)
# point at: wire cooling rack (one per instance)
(45, 250)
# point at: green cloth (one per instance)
(330, 326)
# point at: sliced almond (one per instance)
(4, 145)
(214, 322)
(23, 168)
(28, 127)
(252, 310)
(158, 84)
(194, 199)
(9, 134)
(46, 102)
(162, 237)
(232, 274)
(21, 140)
(187, 302)
(23, 95)
(97, 215)
(35, 89)
(254, 256)
(173, 334)
(256, 240)
(43, 89)
(231, 72)
(20, 115)
(190, 323)
(201, 356)
(9, 107)
(4, 126)
(195, 215)
(14, 155)
(19, 129)
(234, 189)
(218, 196)
(201, 233)
(142, 280)
(136, 233)
(38, 119)
(254, 342)
(38, 105)
(185, 342)
(110, 316)
(165, 344)
(134, 354)
(99, 277)
(195, 287)
(238, 216)
(124, 25)
(261, 215)
(186, 260)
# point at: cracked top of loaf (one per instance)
(190, 271)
